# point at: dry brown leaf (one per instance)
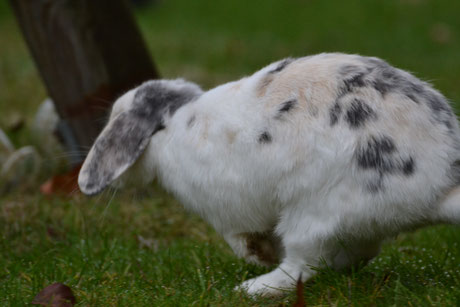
(55, 295)
(300, 302)
(64, 184)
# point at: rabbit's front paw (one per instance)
(274, 283)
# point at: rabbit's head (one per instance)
(135, 118)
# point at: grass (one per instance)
(145, 250)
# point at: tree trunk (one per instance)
(88, 52)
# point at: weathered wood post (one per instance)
(88, 52)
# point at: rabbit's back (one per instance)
(344, 135)
(385, 144)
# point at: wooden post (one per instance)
(88, 52)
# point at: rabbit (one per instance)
(309, 162)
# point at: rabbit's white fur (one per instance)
(309, 160)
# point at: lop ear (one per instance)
(118, 146)
(127, 135)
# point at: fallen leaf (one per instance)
(300, 302)
(55, 295)
(22, 165)
(63, 184)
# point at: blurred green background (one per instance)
(212, 42)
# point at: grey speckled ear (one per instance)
(126, 136)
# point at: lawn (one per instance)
(140, 248)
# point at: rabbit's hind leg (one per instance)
(354, 254)
(263, 248)
(306, 243)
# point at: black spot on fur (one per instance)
(386, 78)
(286, 107)
(435, 102)
(353, 76)
(334, 113)
(379, 154)
(374, 155)
(412, 97)
(375, 185)
(355, 81)
(381, 86)
(375, 73)
(408, 167)
(358, 113)
(282, 65)
(413, 91)
(441, 110)
(191, 121)
(383, 78)
(265, 137)
(348, 70)
(455, 172)
(448, 124)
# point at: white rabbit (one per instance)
(308, 161)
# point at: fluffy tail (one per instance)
(449, 209)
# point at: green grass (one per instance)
(145, 250)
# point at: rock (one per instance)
(46, 118)
(44, 128)
(6, 148)
(45, 140)
(22, 166)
